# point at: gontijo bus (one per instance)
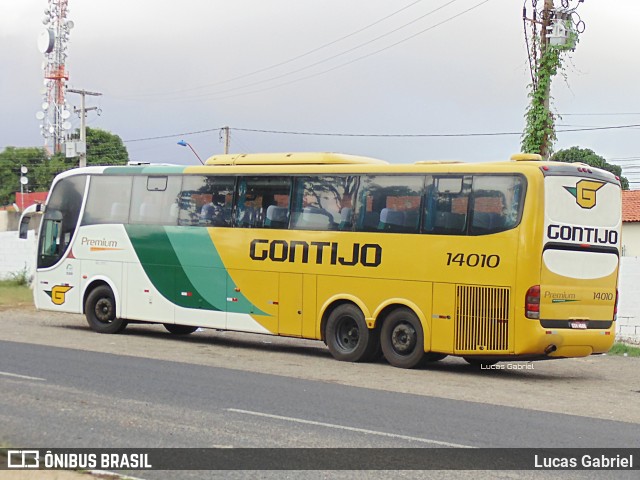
(491, 261)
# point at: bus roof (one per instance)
(304, 158)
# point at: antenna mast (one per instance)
(52, 43)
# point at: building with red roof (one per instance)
(631, 223)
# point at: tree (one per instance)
(103, 148)
(588, 156)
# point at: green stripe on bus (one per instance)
(144, 170)
(185, 267)
(162, 265)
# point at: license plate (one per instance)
(578, 324)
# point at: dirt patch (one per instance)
(603, 386)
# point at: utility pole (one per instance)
(545, 147)
(83, 123)
(554, 32)
(226, 139)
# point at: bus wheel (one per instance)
(100, 310)
(348, 337)
(479, 362)
(402, 338)
(179, 329)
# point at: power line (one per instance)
(233, 89)
(370, 135)
(297, 57)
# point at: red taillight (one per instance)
(532, 303)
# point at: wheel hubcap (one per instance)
(104, 310)
(348, 334)
(403, 338)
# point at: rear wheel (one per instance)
(179, 329)
(402, 339)
(100, 310)
(348, 337)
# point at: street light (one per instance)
(182, 143)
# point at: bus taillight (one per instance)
(532, 303)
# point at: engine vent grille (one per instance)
(482, 319)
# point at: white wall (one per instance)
(629, 300)
(17, 254)
(631, 239)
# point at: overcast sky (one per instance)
(167, 68)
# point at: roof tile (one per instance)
(631, 205)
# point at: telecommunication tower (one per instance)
(52, 43)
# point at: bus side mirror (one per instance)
(24, 227)
(26, 217)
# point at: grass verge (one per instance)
(14, 294)
(624, 349)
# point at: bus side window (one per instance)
(153, 199)
(446, 205)
(495, 203)
(389, 203)
(323, 203)
(255, 195)
(206, 200)
(108, 200)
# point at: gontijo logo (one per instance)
(585, 192)
(57, 293)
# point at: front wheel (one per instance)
(348, 337)
(402, 339)
(100, 310)
(179, 329)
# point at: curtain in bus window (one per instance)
(155, 200)
(323, 202)
(206, 201)
(389, 203)
(263, 202)
(108, 201)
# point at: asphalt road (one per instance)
(62, 397)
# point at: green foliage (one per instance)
(588, 156)
(624, 350)
(539, 133)
(19, 278)
(103, 148)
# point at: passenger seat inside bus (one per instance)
(391, 220)
(487, 222)
(277, 217)
(449, 223)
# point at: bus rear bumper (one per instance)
(567, 343)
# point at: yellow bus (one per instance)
(486, 261)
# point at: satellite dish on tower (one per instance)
(40, 115)
(46, 41)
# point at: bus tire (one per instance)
(179, 329)
(348, 337)
(402, 338)
(100, 310)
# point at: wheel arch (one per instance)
(334, 302)
(385, 308)
(96, 282)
